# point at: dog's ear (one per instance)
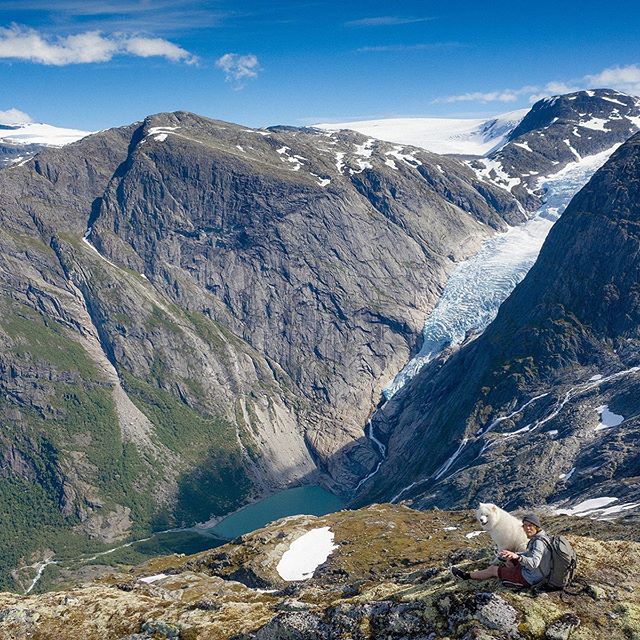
(494, 508)
(480, 505)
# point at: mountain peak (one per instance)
(591, 109)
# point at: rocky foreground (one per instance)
(388, 578)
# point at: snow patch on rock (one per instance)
(306, 554)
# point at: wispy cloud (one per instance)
(384, 21)
(555, 88)
(502, 95)
(14, 116)
(23, 43)
(424, 46)
(622, 78)
(145, 16)
(238, 68)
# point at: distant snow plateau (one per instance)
(463, 136)
(39, 133)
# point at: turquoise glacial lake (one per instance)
(311, 500)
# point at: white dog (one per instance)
(505, 530)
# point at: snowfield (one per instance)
(598, 508)
(463, 136)
(608, 419)
(38, 133)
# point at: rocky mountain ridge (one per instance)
(557, 131)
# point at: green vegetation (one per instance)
(186, 542)
(29, 518)
(117, 468)
(161, 320)
(31, 515)
(178, 426)
(207, 330)
(80, 416)
(216, 481)
(73, 429)
(40, 339)
(215, 487)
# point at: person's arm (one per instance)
(532, 557)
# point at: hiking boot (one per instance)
(459, 573)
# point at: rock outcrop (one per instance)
(558, 131)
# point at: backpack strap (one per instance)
(542, 585)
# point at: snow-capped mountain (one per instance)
(540, 166)
(559, 131)
(460, 136)
(19, 142)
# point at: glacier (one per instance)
(478, 286)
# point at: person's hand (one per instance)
(508, 555)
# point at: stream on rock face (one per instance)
(478, 286)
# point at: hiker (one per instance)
(526, 568)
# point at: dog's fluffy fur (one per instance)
(505, 530)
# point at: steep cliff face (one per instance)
(195, 313)
(323, 259)
(544, 405)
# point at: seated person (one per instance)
(526, 568)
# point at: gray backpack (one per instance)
(563, 562)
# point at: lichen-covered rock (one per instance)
(159, 628)
(294, 626)
(562, 628)
(392, 601)
(487, 608)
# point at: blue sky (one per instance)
(92, 64)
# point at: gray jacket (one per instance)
(536, 560)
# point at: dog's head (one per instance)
(486, 514)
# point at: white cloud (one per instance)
(22, 43)
(626, 79)
(503, 95)
(238, 68)
(556, 88)
(14, 116)
(148, 47)
(553, 88)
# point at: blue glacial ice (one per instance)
(478, 286)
